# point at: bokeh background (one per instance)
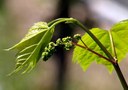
(58, 73)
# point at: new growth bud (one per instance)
(59, 42)
(77, 36)
(48, 51)
(66, 43)
(66, 39)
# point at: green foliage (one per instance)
(107, 47)
(36, 44)
(119, 33)
(31, 46)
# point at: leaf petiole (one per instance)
(101, 56)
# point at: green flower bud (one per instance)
(68, 45)
(45, 56)
(52, 44)
(59, 42)
(77, 36)
(48, 51)
(67, 39)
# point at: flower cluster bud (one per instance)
(59, 42)
(48, 51)
(77, 36)
(65, 42)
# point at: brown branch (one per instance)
(111, 61)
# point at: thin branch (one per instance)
(83, 43)
(95, 39)
(113, 62)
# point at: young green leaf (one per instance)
(84, 57)
(119, 33)
(31, 46)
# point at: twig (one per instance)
(113, 62)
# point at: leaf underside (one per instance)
(31, 46)
(119, 33)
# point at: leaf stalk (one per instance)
(110, 57)
(101, 56)
(116, 66)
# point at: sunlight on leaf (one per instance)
(84, 57)
(31, 46)
(119, 33)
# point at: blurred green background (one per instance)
(16, 16)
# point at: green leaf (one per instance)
(84, 57)
(119, 33)
(31, 46)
